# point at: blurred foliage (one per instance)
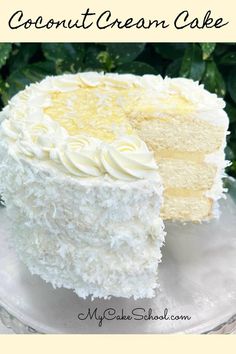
(212, 64)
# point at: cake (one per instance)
(92, 162)
(84, 207)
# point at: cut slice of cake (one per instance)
(81, 189)
(186, 127)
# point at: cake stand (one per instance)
(197, 277)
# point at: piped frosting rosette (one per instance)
(127, 158)
(35, 140)
(79, 156)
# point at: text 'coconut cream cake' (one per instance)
(81, 158)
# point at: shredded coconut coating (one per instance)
(95, 236)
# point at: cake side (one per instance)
(96, 237)
(84, 211)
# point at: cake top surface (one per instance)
(84, 122)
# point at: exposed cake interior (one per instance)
(183, 124)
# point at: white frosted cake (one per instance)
(80, 162)
(84, 209)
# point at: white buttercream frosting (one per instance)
(33, 134)
(27, 106)
(35, 140)
(181, 97)
(89, 235)
(127, 159)
(80, 156)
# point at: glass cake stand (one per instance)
(197, 277)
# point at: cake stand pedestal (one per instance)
(197, 277)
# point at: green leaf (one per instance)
(29, 74)
(228, 59)
(122, 53)
(171, 50)
(230, 183)
(5, 50)
(92, 59)
(67, 57)
(150, 57)
(106, 61)
(2, 88)
(192, 65)
(229, 153)
(231, 111)
(173, 68)
(22, 54)
(207, 49)
(137, 68)
(213, 79)
(4, 96)
(58, 51)
(232, 84)
(220, 49)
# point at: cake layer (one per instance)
(99, 237)
(177, 173)
(181, 134)
(187, 208)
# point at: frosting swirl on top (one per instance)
(80, 156)
(35, 140)
(128, 158)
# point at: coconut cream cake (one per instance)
(82, 189)
(85, 159)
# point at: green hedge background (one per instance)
(212, 64)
